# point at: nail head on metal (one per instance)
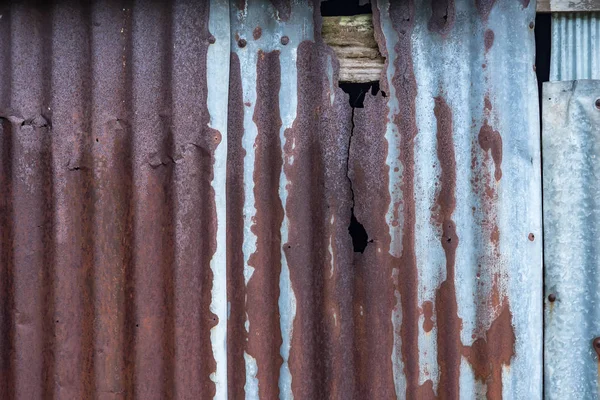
(551, 297)
(596, 344)
(285, 40)
(242, 42)
(597, 103)
(212, 39)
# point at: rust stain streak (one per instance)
(264, 337)
(236, 291)
(448, 322)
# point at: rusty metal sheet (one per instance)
(113, 149)
(570, 144)
(179, 180)
(442, 169)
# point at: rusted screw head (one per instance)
(531, 25)
(551, 297)
(596, 344)
(242, 43)
(597, 103)
(531, 237)
(285, 40)
(212, 39)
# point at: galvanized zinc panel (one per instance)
(571, 213)
(442, 171)
(575, 52)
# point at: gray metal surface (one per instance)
(575, 52)
(571, 147)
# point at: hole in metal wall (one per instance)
(332, 8)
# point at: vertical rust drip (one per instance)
(402, 15)
(374, 288)
(236, 291)
(448, 322)
(264, 337)
(318, 208)
(195, 216)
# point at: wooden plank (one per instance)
(352, 39)
(568, 5)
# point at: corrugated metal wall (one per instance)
(151, 251)
(575, 50)
(570, 145)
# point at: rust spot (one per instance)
(488, 355)
(532, 25)
(442, 16)
(248, 104)
(531, 237)
(490, 139)
(257, 33)
(488, 39)
(428, 316)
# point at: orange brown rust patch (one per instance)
(490, 139)
(264, 336)
(488, 355)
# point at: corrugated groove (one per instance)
(575, 46)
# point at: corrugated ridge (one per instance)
(575, 52)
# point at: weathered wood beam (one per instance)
(353, 40)
(568, 5)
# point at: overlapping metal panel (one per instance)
(571, 213)
(150, 251)
(575, 52)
